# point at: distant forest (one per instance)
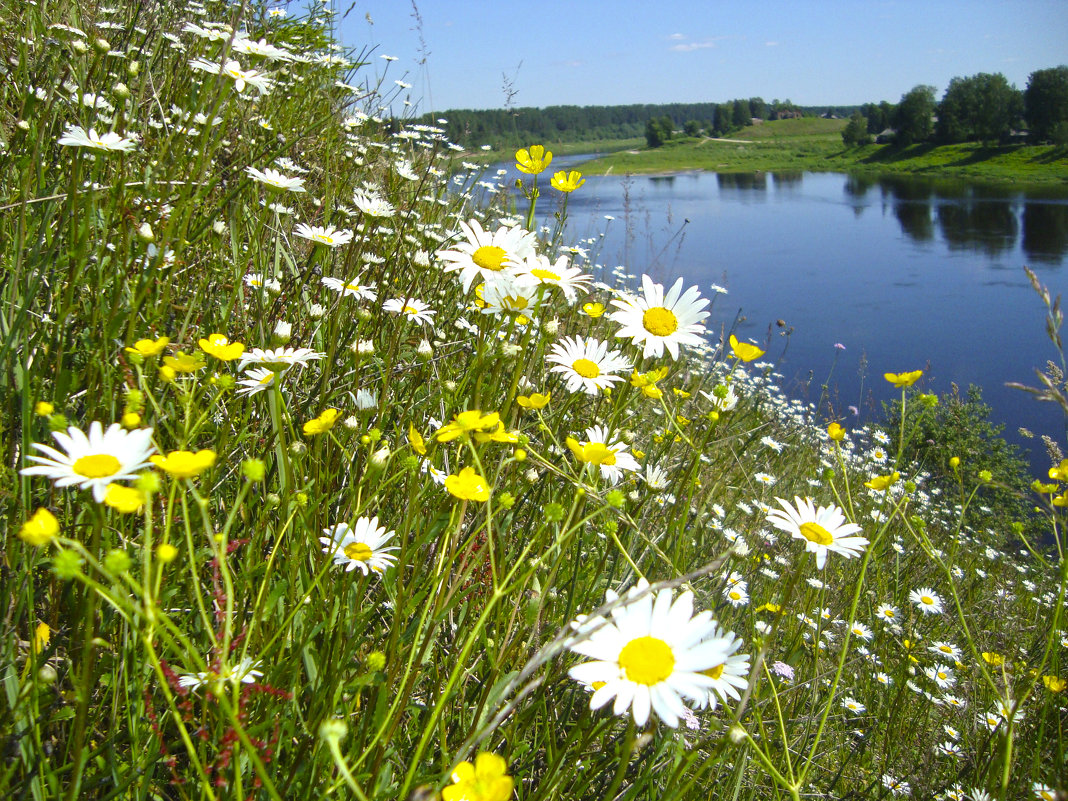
(516, 126)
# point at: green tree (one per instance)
(692, 128)
(1046, 103)
(856, 131)
(724, 119)
(913, 117)
(981, 106)
(655, 135)
(741, 114)
(758, 108)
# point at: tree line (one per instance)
(983, 107)
(516, 126)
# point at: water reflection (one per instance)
(1045, 232)
(986, 226)
(741, 181)
(982, 219)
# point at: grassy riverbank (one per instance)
(816, 144)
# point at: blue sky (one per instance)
(609, 52)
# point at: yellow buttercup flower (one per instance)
(184, 362)
(744, 350)
(499, 434)
(149, 347)
(836, 432)
(901, 380)
(221, 348)
(41, 636)
(417, 441)
(993, 659)
(185, 464)
(1054, 684)
(567, 182)
(466, 422)
(534, 401)
(1060, 472)
(124, 499)
(486, 780)
(532, 161)
(593, 310)
(321, 424)
(880, 483)
(40, 529)
(43, 409)
(468, 486)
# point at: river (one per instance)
(905, 273)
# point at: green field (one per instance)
(816, 144)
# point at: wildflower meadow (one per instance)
(333, 468)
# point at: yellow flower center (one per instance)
(516, 302)
(353, 287)
(945, 649)
(814, 532)
(326, 240)
(544, 275)
(927, 600)
(97, 465)
(489, 257)
(358, 551)
(660, 321)
(586, 368)
(715, 672)
(411, 310)
(942, 675)
(888, 613)
(734, 595)
(647, 660)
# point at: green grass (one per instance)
(815, 144)
(192, 637)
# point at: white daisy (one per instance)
(258, 281)
(485, 255)
(244, 672)
(661, 320)
(586, 364)
(94, 461)
(649, 654)
(276, 180)
(278, 359)
(504, 294)
(414, 310)
(941, 675)
(538, 270)
(77, 136)
(359, 547)
(259, 379)
(372, 204)
(926, 600)
(331, 237)
(728, 677)
(241, 77)
(353, 289)
(261, 48)
(822, 529)
(888, 613)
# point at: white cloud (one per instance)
(771, 44)
(689, 46)
(677, 36)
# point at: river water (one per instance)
(905, 273)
